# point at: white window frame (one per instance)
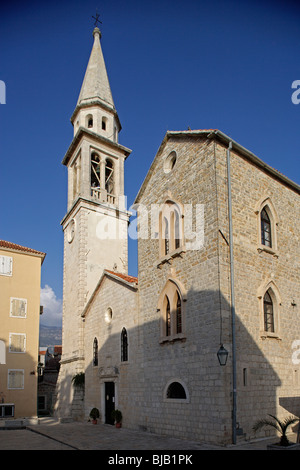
(11, 309)
(176, 400)
(172, 289)
(8, 260)
(266, 203)
(2, 352)
(167, 219)
(10, 343)
(276, 300)
(8, 376)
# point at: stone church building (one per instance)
(218, 271)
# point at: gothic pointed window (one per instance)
(168, 317)
(178, 315)
(266, 238)
(170, 162)
(171, 308)
(95, 352)
(166, 236)
(95, 170)
(170, 228)
(268, 312)
(124, 345)
(89, 121)
(109, 177)
(176, 229)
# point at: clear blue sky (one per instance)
(171, 64)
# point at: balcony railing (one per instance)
(102, 195)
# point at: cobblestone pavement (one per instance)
(52, 435)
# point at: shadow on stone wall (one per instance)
(141, 383)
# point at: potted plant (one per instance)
(117, 416)
(280, 426)
(94, 414)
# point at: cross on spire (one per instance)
(96, 18)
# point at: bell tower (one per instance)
(96, 222)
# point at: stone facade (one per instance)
(265, 372)
(190, 360)
(113, 306)
(266, 375)
(148, 346)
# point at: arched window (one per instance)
(109, 177)
(266, 235)
(103, 125)
(268, 313)
(95, 170)
(168, 317)
(269, 307)
(170, 305)
(124, 345)
(176, 391)
(95, 352)
(267, 220)
(178, 315)
(170, 228)
(89, 121)
(176, 229)
(166, 236)
(108, 315)
(170, 162)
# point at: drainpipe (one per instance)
(232, 299)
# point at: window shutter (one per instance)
(6, 265)
(15, 378)
(2, 353)
(17, 342)
(18, 307)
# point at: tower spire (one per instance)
(95, 86)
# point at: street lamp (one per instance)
(222, 355)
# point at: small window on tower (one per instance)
(95, 170)
(109, 176)
(104, 124)
(89, 120)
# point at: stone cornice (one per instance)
(92, 135)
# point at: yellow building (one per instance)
(20, 280)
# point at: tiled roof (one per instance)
(125, 277)
(14, 246)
